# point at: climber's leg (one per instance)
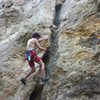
(32, 65)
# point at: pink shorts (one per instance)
(34, 58)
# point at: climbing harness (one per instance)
(28, 54)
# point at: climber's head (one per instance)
(36, 35)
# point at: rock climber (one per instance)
(32, 57)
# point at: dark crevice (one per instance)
(54, 39)
(57, 13)
(50, 57)
(98, 8)
(46, 60)
(36, 94)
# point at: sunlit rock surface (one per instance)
(18, 19)
(77, 68)
(75, 48)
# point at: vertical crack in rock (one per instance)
(36, 94)
(53, 54)
(55, 38)
(98, 7)
(57, 13)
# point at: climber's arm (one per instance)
(45, 37)
(38, 45)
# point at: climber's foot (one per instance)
(23, 81)
(45, 79)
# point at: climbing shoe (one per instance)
(45, 79)
(41, 82)
(23, 81)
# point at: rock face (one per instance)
(75, 65)
(76, 11)
(18, 19)
(74, 54)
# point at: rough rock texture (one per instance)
(73, 12)
(77, 67)
(74, 53)
(18, 19)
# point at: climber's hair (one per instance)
(36, 35)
